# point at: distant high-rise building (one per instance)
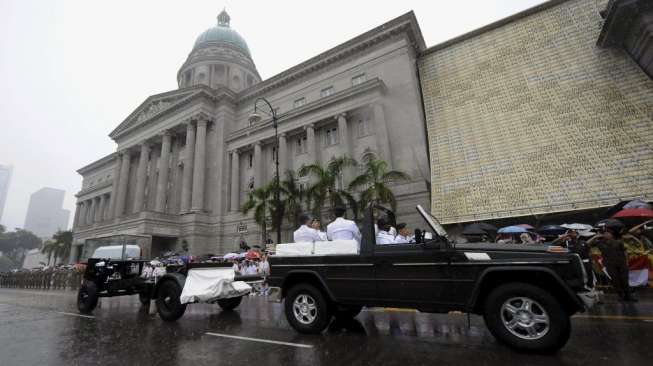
(45, 214)
(5, 179)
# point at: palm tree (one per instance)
(64, 241)
(294, 196)
(325, 189)
(373, 182)
(261, 200)
(49, 248)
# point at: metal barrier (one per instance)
(45, 280)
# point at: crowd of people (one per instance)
(49, 278)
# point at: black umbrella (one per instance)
(474, 229)
(487, 227)
(611, 223)
(551, 230)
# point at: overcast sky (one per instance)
(71, 71)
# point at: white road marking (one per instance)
(73, 314)
(260, 340)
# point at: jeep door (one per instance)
(412, 275)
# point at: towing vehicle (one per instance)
(526, 294)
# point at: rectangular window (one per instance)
(299, 102)
(327, 91)
(358, 79)
(274, 154)
(363, 127)
(331, 136)
(250, 160)
(301, 147)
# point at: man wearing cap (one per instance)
(306, 234)
(572, 241)
(404, 236)
(341, 228)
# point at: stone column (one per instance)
(258, 165)
(90, 217)
(162, 180)
(235, 181)
(199, 168)
(99, 214)
(282, 155)
(310, 142)
(122, 184)
(345, 146)
(187, 177)
(114, 186)
(78, 207)
(81, 220)
(141, 177)
(383, 138)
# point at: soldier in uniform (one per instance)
(614, 259)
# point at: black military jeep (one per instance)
(526, 294)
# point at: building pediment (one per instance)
(159, 105)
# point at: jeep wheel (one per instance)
(346, 311)
(230, 303)
(87, 297)
(168, 304)
(527, 318)
(306, 309)
(144, 299)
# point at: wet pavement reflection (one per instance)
(44, 328)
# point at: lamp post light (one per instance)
(254, 118)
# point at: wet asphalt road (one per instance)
(44, 328)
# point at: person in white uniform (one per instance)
(305, 233)
(318, 227)
(341, 228)
(384, 236)
(404, 236)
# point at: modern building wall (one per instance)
(5, 180)
(45, 214)
(529, 116)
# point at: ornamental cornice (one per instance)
(97, 164)
(94, 188)
(404, 24)
(369, 86)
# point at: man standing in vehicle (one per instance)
(341, 228)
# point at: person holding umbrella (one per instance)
(613, 252)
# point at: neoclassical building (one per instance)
(186, 159)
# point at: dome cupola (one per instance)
(220, 57)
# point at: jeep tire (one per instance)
(168, 304)
(527, 318)
(87, 297)
(307, 309)
(230, 303)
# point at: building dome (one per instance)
(220, 58)
(222, 33)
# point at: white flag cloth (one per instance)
(211, 284)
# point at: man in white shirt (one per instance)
(306, 234)
(341, 228)
(404, 236)
(384, 236)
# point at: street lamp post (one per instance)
(256, 117)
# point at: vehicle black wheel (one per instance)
(168, 304)
(230, 303)
(144, 299)
(527, 318)
(87, 297)
(347, 311)
(307, 309)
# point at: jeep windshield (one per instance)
(432, 221)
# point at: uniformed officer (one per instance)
(614, 259)
(575, 244)
(384, 236)
(306, 234)
(341, 228)
(404, 235)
